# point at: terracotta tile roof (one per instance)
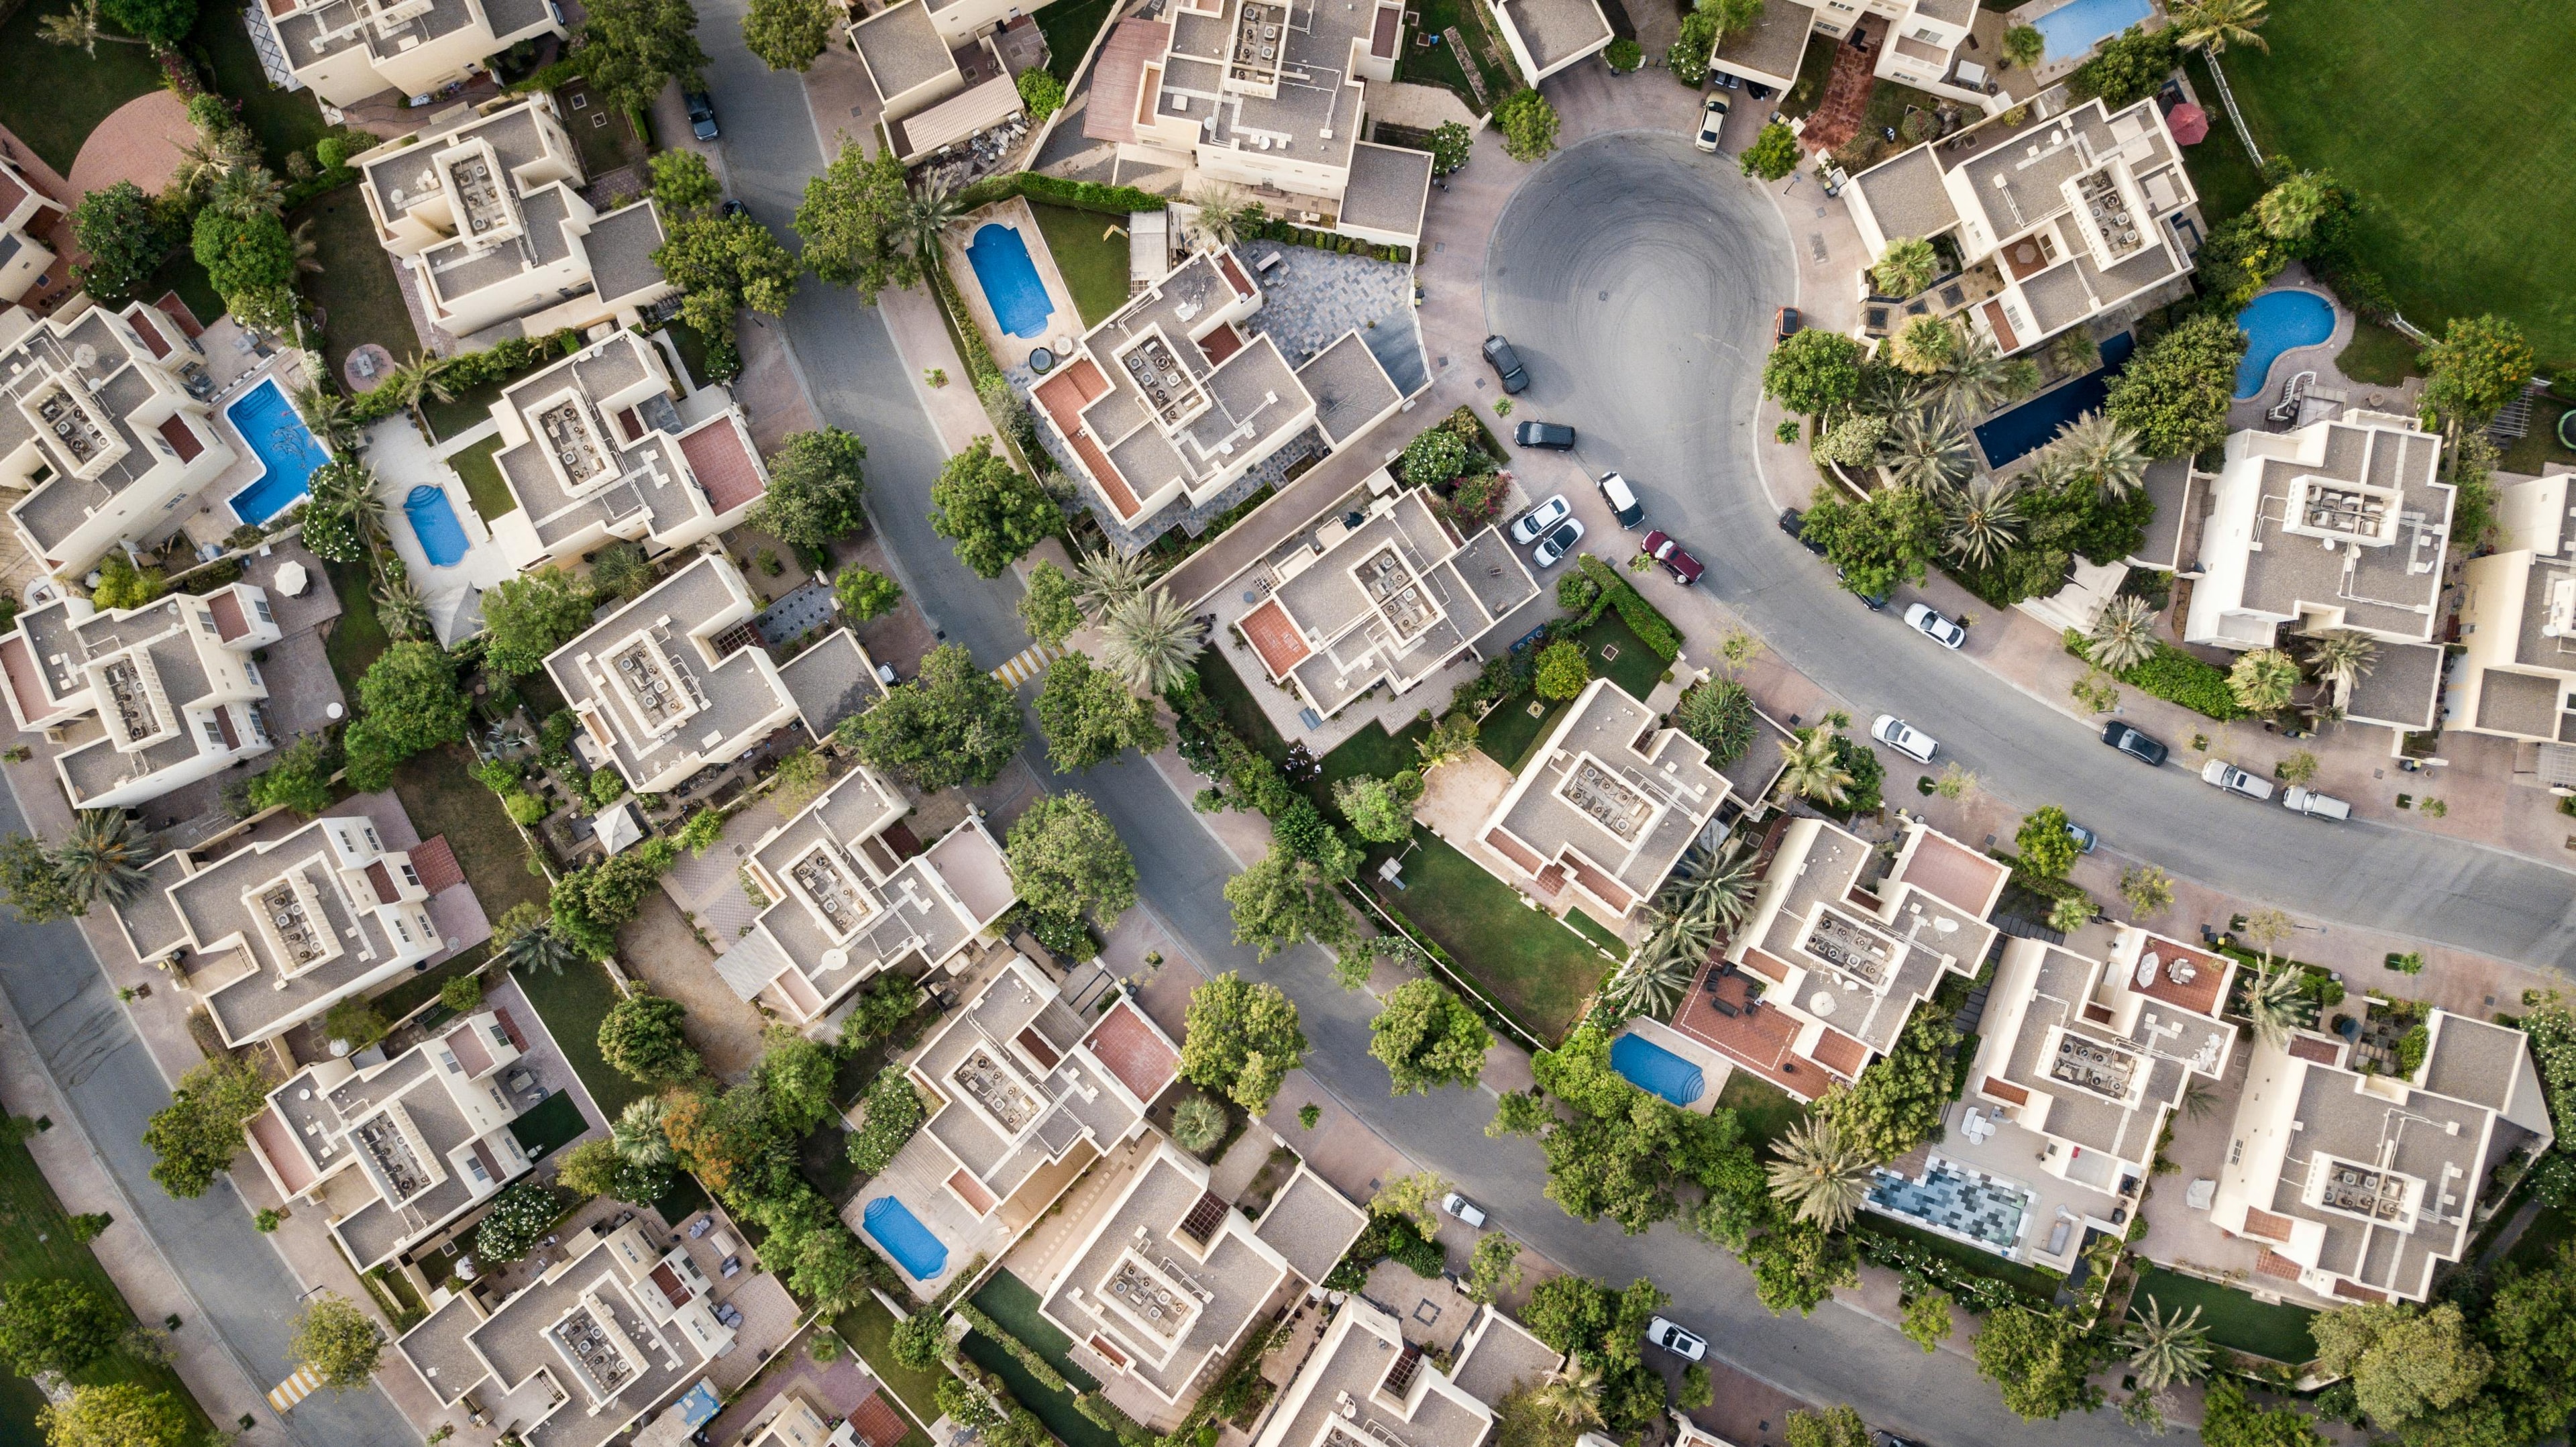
(2308, 1047)
(183, 439)
(1767, 966)
(1840, 1054)
(1755, 1038)
(1601, 886)
(2200, 994)
(1071, 389)
(1105, 473)
(227, 608)
(2004, 1090)
(1234, 274)
(876, 1423)
(721, 457)
(1141, 1059)
(436, 865)
(2003, 328)
(176, 310)
(2265, 1225)
(510, 1027)
(1276, 638)
(467, 1044)
(382, 879)
(2273, 1263)
(2357, 1292)
(1512, 849)
(142, 318)
(973, 1192)
(1222, 343)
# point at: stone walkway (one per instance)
(1312, 298)
(1837, 117)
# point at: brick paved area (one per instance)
(142, 143)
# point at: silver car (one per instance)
(1533, 525)
(1553, 548)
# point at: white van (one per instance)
(2313, 804)
(1622, 499)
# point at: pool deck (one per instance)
(235, 373)
(1713, 1067)
(1063, 323)
(403, 460)
(2332, 389)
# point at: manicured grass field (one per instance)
(463, 409)
(355, 288)
(1094, 263)
(283, 120)
(442, 798)
(2541, 445)
(869, 1329)
(1764, 1109)
(554, 1124)
(573, 1003)
(1511, 730)
(1439, 65)
(356, 638)
(1069, 28)
(492, 496)
(2234, 1319)
(2378, 355)
(2457, 132)
(1540, 970)
(603, 147)
(181, 273)
(55, 97)
(2221, 172)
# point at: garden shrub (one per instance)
(1643, 619)
(2176, 677)
(1080, 195)
(894, 1112)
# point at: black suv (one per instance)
(1506, 364)
(2135, 744)
(1794, 523)
(1554, 435)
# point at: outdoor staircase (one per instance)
(2514, 422)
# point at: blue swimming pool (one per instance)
(2277, 322)
(268, 424)
(433, 521)
(904, 1238)
(1650, 1067)
(2028, 427)
(1010, 280)
(2073, 29)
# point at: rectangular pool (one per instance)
(2029, 427)
(2073, 29)
(288, 453)
(904, 1238)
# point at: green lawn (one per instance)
(693, 350)
(604, 147)
(1764, 1109)
(442, 798)
(2379, 355)
(1069, 27)
(869, 1330)
(56, 97)
(483, 482)
(1438, 65)
(1814, 66)
(1615, 650)
(2221, 172)
(2235, 1320)
(1538, 969)
(283, 120)
(554, 1124)
(2458, 135)
(2541, 445)
(36, 1241)
(1512, 730)
(418, 990)
(572, 1004)
(2547, 1231)
(1093, 261)
(462, 410)
(1054, 1408)
(1597, 932)
(356, 288)
(356, 637)
(1233, 698)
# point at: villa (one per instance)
(1172, 403)
(1925, 44)
(2355, 1185)
(601, 446)
(170, 688)
(347, 51)
(1546, 36)
(856, 896)
(1390, 596)
(484, 207)
(101, 430)
(283, 930)
(26, 262)
(938, 81)
(679, 680)
(2518, 627)
(1364, 1385)
(2340, 524)
(427, 1133)
(1605, 808)
(2041, 226)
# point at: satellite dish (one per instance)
(84, 356)
(835, 957)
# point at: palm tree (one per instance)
(2274, 1004)
(1573, 1396)
(245, 192)
(347, 489)
(1812, 768)
(1818, 1171)
(422, 378)
(400, 609)
(638, 1135)
(1220, 217)
(2124, 634)
(105, 858)
(1105, 580)
(79, 27)
(1904, 268)
(2214, 25)
(2199, 1097)
(1978, 377)
(2164, 1349)
(2097, 446)
(2070, 914)
(2263, 680)
(1149, 640)
(536, 948)
(928, 215)
(1650, 984)
(1927, 448)
(326, 413)
(308, 252)
(1982, 521)
(2342, 658)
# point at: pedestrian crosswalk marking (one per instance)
(294, 1389)
(1028, 663)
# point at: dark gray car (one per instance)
(1506, 364)
(2136, 745)
(1554, 435)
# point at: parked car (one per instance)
(2313, 804)
(1905, 738)
(1926, 620)
(1794, 523)
(1786, 323)
(1624, 507)
(1532, 525)
(1874, 602)
(1675, 559)
(1712, 119)
(702, 114)
(2085, 841)
(2224, 775)
(1506, 364)
(2136, 745)
(1672, 1338)
(734, 208)
(1464, 1209)
(1553, 548)
(1555, 436)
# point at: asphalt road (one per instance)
(1636, 278)
(242, 1286)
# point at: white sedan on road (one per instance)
(1926, 620)
(1674, 1339)
(1905, 738)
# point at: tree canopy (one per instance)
(1241, 1039)
(1067, 859)
(2175, 392)
(2406, 1362)
(125, 235)
(630, 48)
(1088, 715)
(852, 220)
(1898, 1100)
(2127, 68)
(243, 255)
(684, 184)
(2478, 366)
(165, 23)
(337, 1340)
(119, 1414)
(989, 509)
(2047, 846)
(529, 616)
(787, 34)
(196, 1135)
(2041, 1360)
(53, 1324)
(1529, 125)
(1773, 154)
(1380, 810)
(640, 1038)
(1878, 542)
(815, 487)
(1285, 899)
(952, 724)
(1049, 608)
(1427, 1036)
(1814, 371)
(2229, 1420)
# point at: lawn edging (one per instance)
(1474, 994)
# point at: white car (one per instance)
(1674, 1339)
(1926, 620)
(1712, 117)
(1905, 738)
(1552, 549)
(1464, 1209)
(2224, 775)
(1533, 525)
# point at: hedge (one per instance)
(1643, 619)
(1277, 230)
(2176, 677)
(1080, 195)
(494, 363)
(547, 77)
(1020, 1351)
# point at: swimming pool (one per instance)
(2029, 427)
(2277, 322)
(433, 521)
(269, 426)
(2073, 29)
(1957, 1202)
(904, 1238)
(1010, 279)
(1651, 1068)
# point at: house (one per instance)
(1268, 98)
(601, 446)
(577, 1356)
(1172, 403)
(1170, 1275)
(1922, 43)
(1023, 1094)
(2042, 224)
(792, 1419)
(171, 689)
(1364, 1385)
(1835, 954)
(284, 930)
(27, 215)
(347, 51)
(1772, 49)
(2518, 623)
(1605, 808)
(2355, 1184)
(2339, 524)
(391, 1151)
(856, 897)
(485, 208)
(678, 680)
(1391, 598)
(1546, 36)
(939, 82)
(100, 430)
